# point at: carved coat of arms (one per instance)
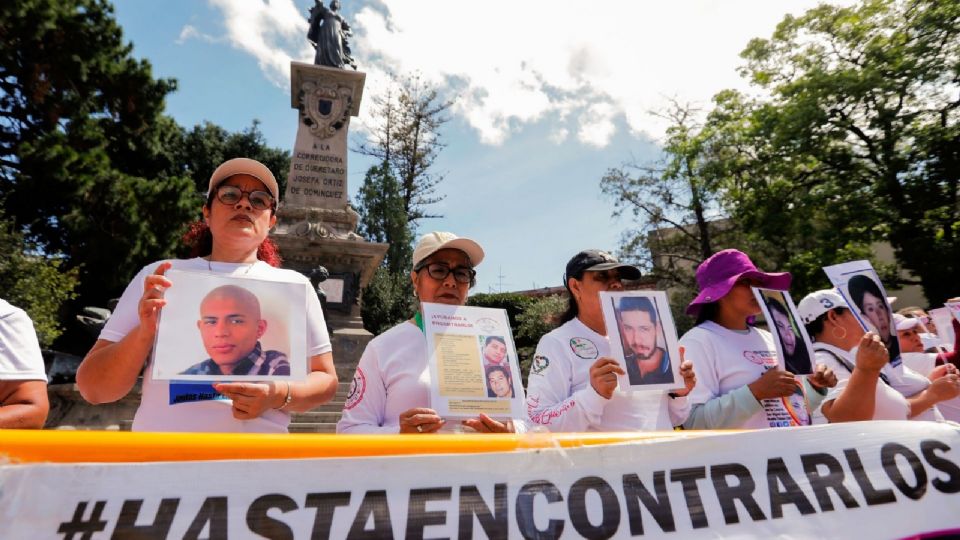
(325, 108)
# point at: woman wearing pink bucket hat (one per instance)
(739, 380)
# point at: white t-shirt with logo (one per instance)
(190, 406)
(888, 403)
(560, 397)
(725, 362)
(20, 358)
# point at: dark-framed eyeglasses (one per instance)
(440, 271)
(231, 195)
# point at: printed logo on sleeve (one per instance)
(357, 388)
(540, 364)
(584, 348)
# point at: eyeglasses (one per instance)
(440, 271)
(259, 200)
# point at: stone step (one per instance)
(309, 427)
(316, 417)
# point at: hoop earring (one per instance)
(834, 333)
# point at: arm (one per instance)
(677, 404)
(857, 401)
(728, 411)
(23, 404)
(943, 388)
(550, 402)
(364, 409)
(111, 368)
(250, 400)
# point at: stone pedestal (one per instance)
(315, 224)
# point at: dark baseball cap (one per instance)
(596, 260)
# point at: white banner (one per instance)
(864, 480)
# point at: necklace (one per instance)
(249, 267)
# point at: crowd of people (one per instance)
(730, 373)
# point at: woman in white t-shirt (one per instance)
(232, 240)
(930, 365)
(390, 392)
(869, 388)
(573, 379)
(739, 380)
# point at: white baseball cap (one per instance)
(819, 302)
(431, 243)
(252, 167)
(904, 323)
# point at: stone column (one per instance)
(315, 224)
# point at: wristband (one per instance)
(286, 400)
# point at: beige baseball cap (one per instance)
(248, 166)
(431, 243)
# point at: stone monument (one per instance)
(315, 225)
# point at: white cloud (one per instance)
(579, 65)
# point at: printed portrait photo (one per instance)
(217, 328)
(640, 327)
(496, 366)
(783, 322)
(867, 295)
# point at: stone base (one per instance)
(68, 410)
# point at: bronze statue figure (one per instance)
(329, 34)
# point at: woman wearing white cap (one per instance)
(232, 240)
(391, 388)
(860, 360)
(928, 364)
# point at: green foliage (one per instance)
(37, 284)
(86, 170)
(387, 301)
(857, 142)
(384, 219)
(208, 145)
(539, 316)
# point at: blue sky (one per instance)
(547, 96)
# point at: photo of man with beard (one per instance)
(639, 326)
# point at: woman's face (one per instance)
(499, 383)
(586, 291)
(910, 340)
(875, 310)
(785, 329)
(442, 291)
(740, 299)
(239, 226)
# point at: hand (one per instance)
(774, 383)
(420, 420)
(945, 387)
(250, 400)
(148, 310)
(689, 377)
(485, 424)
(603, 376)
(940, 371)
(822, 377)
(872, 355)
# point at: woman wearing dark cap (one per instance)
(739, 381)
(573, 381)
(231, 240)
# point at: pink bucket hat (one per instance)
(718, 274)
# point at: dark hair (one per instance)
(639, 303)
(572, 308)
(815, 327)
(708, 312)
(494, 338)
(860, 285)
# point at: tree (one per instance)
(407, 137)
(86, 170)
(397, 191)
(857, 141)
(34, 283)
(208, 145)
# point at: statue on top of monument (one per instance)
(329, 33)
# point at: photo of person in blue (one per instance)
(647, 363)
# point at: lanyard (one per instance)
(847, 365)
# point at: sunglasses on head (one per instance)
(231, 195)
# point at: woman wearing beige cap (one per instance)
(231, 241)
(391, 388)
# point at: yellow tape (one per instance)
(24, 446)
